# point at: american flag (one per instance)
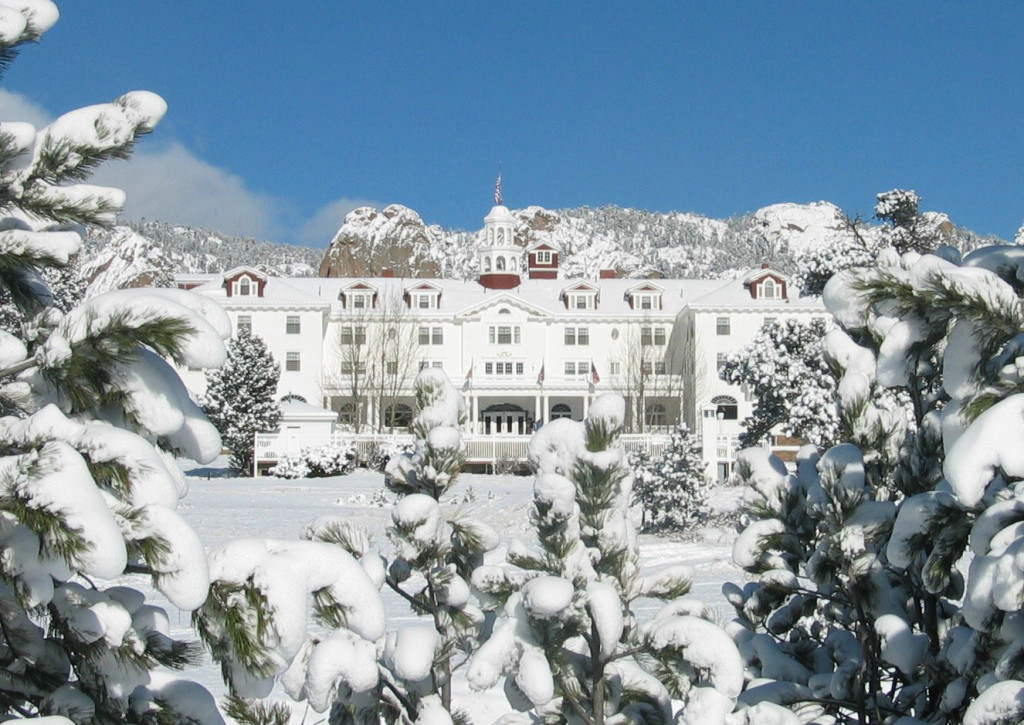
(594, 377)
(497, 190)
(540, 376)
(469, 378)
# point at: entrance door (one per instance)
(504, 419)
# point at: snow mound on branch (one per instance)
(705, 646)
(990, 445)
(1002, 703)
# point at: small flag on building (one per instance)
(469, 378)
(594, 377)
(497, 190)
(540, 376)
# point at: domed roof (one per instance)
(499, 213)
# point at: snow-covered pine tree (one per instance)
(240, 397)
(784, 369)
(436, 552)
(673, 488)
(566, 641)
(88, 482)
(862, 609)
(257, 620)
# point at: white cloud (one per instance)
(16, 107)
(319, 230)
(172, 184)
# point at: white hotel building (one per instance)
(524, 345)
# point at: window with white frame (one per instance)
(655, 415)
(350, 368)
(359, 300)
(770, 320)
(391, 367)
(245, 323)
(720, 359)
(723, 326)
(770, 290)
(244, 287)
(353, 335)
(293, 325)
(659, 367)
(292, 362)
(424, 336)
(659, 336)
(577, 368)
(543, 257)
(504, 334)
(436, 336)
(577, 336)
(503, 367)
(615, 367)
(646, 336)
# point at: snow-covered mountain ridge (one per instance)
(633, 242)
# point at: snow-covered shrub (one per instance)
(88, 480)
(566, 643)
(381, 452)
(862, 606)
(337, 459)
(240, 397)
(673, 488)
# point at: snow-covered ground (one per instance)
(221, 508)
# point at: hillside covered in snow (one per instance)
(634, 243)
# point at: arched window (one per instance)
(292, 398)
(487, 264)
(501, 236)
(347, 414)
(499, 264)
(560, 410)
(769, 290)
(398, 415)
(504, 311)
(243, 287)
(727, 408)
(655, 415)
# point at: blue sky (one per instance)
(283, 116)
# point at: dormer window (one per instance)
(244, 288)
(770, 290)
(767, 286)
(646, 297)
(544, 257)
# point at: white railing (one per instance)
(272, 447)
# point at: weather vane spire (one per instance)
(497, 188)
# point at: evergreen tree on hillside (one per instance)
(672, 487)
(88, 480)
(240, 398)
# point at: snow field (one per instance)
(222, 508)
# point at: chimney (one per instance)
(608, 274)
(387, 273)
(766, 265)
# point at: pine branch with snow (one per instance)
(88, 482)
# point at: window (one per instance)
(503, 368)
(347, 414)
(659, 367)
(436, 336)
(560, 410)
(437, 364)
(398, 415)
(570, 368)
(424, 336)
(577, 336)
(499, 264)
(582, 302)
(645, 336)
(659, 335)
(423, 302)
(488, 368)
(347, 368)
(245, 323)
(655, 415)
(771, 290)
(726, 407)
(722, 326)
(292, 362)
(353, 335)
(720, 362)
(243, 287)
(487, 264)
(504, 335)
(544, 257)
(359, 301)
(770, 320)
(391, 367)
(645, 302)
(615, 368)
(646, 367)
(293, 325)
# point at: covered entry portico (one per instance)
(493, 412)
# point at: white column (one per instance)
(586, 405)
(537, 410)
(476, 413)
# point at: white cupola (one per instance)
(497, 254)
